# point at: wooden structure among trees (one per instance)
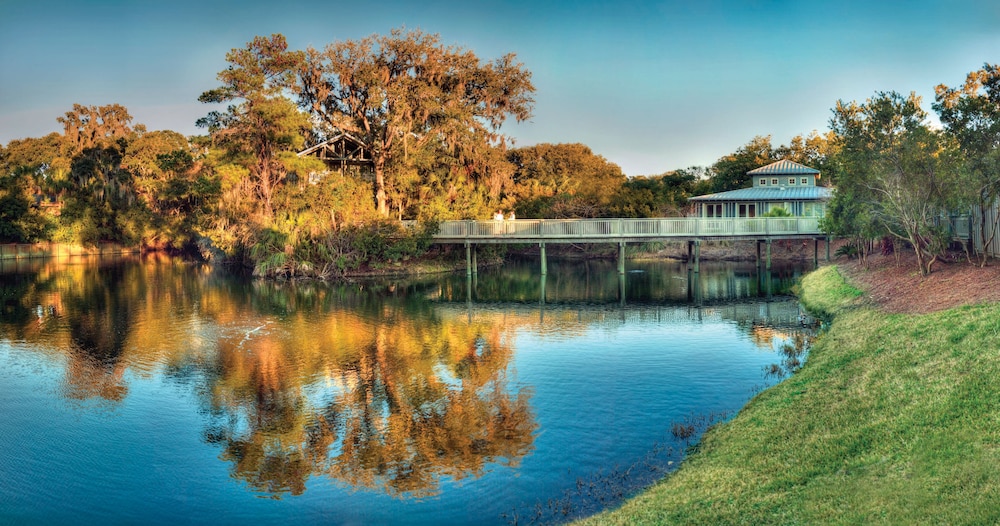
(785, 185)
(343, 154)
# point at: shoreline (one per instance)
(892, 419)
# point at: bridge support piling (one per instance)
(759, 261)
(468, 259)
(621, 257)
(545, 269)
(475, 264)
(768, 254)
(690, 244)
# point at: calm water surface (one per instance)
(137, 391)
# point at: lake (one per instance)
(146, 390)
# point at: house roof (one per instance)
(341, 136)
(784, 167)
(794, 193)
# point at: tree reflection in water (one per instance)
(98, 331)
(371, 397)
(380, 386)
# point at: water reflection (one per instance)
(357, 383)
(403, 387)
(598, 282)
(402, 405)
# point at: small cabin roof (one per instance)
(341, 136)
(784, 167)
(785, 193)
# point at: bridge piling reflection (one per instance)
(621, 289)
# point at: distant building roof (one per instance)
(339, 137)
(784, 167)
(788, 193)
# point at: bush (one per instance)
(352, 247)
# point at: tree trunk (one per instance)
(984, 256)
(380, 196)
(919, 251)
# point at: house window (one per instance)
(713, 210)
(761, 182)
(813, 209)
(791, 180)
(805, 181)
(747, 210)
(774, 181)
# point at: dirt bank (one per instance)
(900, 287)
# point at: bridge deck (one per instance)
(625, 230)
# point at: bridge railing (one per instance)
(628, 228)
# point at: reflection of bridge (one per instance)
(778, 314)
(694, 296)
(693, 230)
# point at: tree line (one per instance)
(903, 180)
(430, 118)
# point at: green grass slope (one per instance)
(895, 419)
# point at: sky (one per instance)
(650, 86)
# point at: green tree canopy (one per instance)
(264, 122)
(662, 195)
(563, 180)
(971, 113)
(101, 199)
(405, 91)
(730, 171)
(901, 173)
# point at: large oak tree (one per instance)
(404, 91)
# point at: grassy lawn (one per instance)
(895, 419)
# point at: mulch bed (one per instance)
(900, 287)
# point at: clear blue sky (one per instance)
(651, 86)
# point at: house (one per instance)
(343, 154)
(783, 184)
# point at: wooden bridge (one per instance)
(693, 230)
(626, 230)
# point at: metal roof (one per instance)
(797, 193)
(784, 167)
